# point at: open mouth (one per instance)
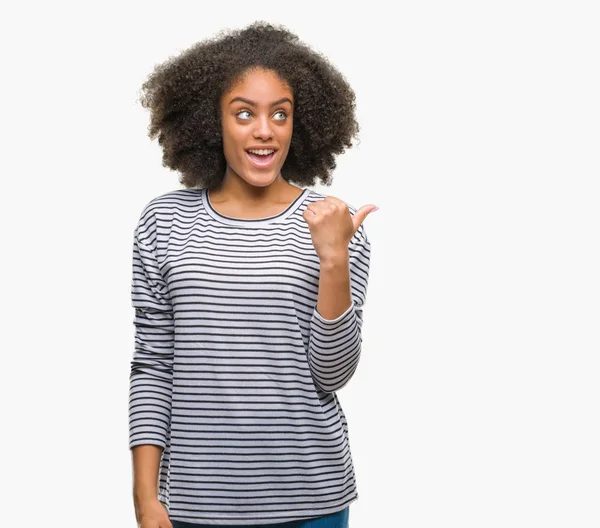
(261, 159)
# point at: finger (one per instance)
(361, 214)
(309, 213)
(316, 206)
(309, 218)
(323, 207)
(334, 200)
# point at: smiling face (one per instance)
(256, 113)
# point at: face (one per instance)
(257, 114)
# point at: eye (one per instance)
(242, 112)
(249, 113)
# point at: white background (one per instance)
(476, 400)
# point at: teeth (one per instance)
(261, 152)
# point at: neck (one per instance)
(234, 188)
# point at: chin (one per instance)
(256, 177)
(261, 180)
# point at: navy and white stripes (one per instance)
(234, 372)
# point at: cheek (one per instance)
(288, 129)
(233, 140)
(288, 134)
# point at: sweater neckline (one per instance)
(253, 222)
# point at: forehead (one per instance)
(262, 86)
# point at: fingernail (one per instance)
(376, 209)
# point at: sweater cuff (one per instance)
(331, 324)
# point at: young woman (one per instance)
(248, 291)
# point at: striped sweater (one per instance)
(234, 371)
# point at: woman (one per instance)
(248, 292)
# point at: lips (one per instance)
(261, 162)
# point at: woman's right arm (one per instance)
(151, 377)
(145, 461)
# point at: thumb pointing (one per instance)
(362, 213)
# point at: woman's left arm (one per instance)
(336, 324)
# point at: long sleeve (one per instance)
(335, 344)
(151, 377)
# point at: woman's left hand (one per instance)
(332, 226)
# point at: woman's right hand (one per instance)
(152, 514)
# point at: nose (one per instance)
(262, 129)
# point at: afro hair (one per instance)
(183, 95)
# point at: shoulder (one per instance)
(168, 202)
(162, 207)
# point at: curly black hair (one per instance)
(183, 95)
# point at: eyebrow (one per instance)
(252, 103)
